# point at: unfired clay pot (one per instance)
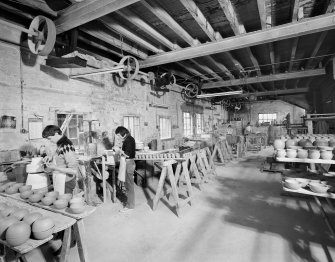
(302, 153)
(281, 153)
(313, 154)
(291, 153)
(326, 154)
(279, 144)
(290, 142)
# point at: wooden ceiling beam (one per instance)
(114, 25)
(39, 5)
(276, 92)
(238, 28)
(305, 27)
(100, 34)
(231, 16)
(133, 18)
(194, 72)
(164, 16)
(293, 52)
(331, 6)
(267, 78)
(86, 11)
(199, 17)
(316, 49)
(295, 11)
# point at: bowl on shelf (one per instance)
(77, 208)
(53, 194)
(66, 196)
(318, 188)
(25, 188)
(60, 203)
(47, 201)
(292, 183)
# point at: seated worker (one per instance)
(247, 129)
(64, 160)
(230, 130)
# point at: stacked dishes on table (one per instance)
(305, 146)
(315, 186)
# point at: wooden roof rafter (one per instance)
(86, 11)
(165, 17)
(286, 31)
(266, 78)
(264, 9)
(238, 28)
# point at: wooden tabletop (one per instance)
(309, 192)
(305, 160)
(61, 222)
(66, 211)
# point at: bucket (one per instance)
(19, 170)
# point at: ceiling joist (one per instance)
(268, 78)
(308, 26)
(86, 11)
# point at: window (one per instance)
(188, 124)
(132, 123)
(164, 127)
(200, 123)
(262, 118)
(74, 130)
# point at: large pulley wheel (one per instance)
(191, 90)
(131, 67)
(43, 40)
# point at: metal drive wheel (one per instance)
(43, 40)
(131, 67)
(191, 90)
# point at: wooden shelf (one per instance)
(305, 160)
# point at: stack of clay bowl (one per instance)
(4, 186)
(49, 198)
(42, 227)
(77, 205)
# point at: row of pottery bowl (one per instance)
(18, 225)
(281, 143)
(11, 187)
(304, 153)
(77, 204)
(319, 187)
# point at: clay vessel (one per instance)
(31, 217)
(20, 213)
(6, 223)
(326, 154)
(43, 228)
(313, 154)
(25, 188)
(26, 194)
(302, 153)
(320, 142)
(18, 233)
(281, 153)
(291, 153)
(279, 144)
(290, 142)
(60, 203)
(331, 142)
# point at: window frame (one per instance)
(78, 126)
(188, 125)
(168, 118)
(135, 131)
(267, 117)
(201, 118)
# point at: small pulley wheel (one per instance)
(191, 90)
(131, 67)
(43, 41)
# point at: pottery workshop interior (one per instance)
(179, 130)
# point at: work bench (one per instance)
(64, 221)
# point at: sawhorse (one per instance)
(167, 171)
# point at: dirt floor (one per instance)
(240, 215)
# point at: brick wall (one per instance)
(29, 88)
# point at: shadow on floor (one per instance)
(250, 204)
